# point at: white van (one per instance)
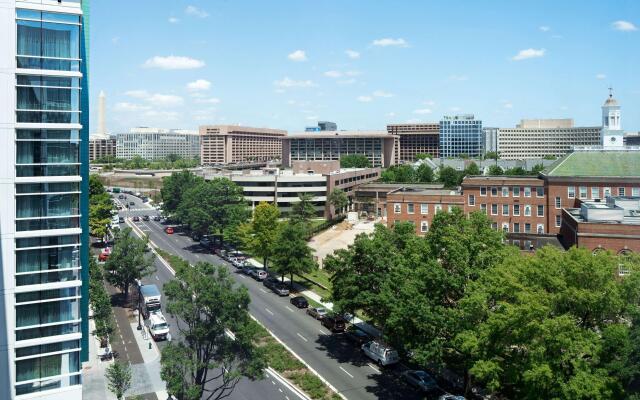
(381, 353)
(158, 326)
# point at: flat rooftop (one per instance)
(426, 191)
(339, 134)
(602, 163)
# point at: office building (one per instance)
(416, 139)
(322, 126)
(379, 147)
(460, 135)
(489, 140)
(632, 139)
(539, 138)
(44, 196)
(225, 144)
(157, 144)
(101, 146)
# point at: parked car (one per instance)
(334, 323)
(280, 289)
(258, 274)
(121, 220)
(120, 196)
(158, 326)
(145, 217)
(136, 218)
(195, 236)
(246, 269)
(317, 312)
(205, 242)
(238, 263)
(448, 396)
(357, 335)
(421, 380)
(299, 301)
(156, 218)
(131, 203)
(381, 353)
(270, 282)
(169, 230)
(104, 254)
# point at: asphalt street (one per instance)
(331, 355)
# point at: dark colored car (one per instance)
(421, 380)
(195, 236)
(270, 282)
(136, 219)
(121, 196)
(299, 301)
(131, 203)
(156, 218)
(121, 220)
(145, 217)
(357, 336)
(334, 323)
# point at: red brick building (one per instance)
(418, 206)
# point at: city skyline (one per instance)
(194, 63)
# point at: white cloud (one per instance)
(137, 94)
(429, 103)
(624, 26)
(173, 20)
(413, 121)
(196, 12)
(209, 100)
(422, 111)
(352, 73)
(385, 42)
(333, 74)
(545, 28)
(298, 55)
(173, 62)
(287, 82)
(115, 40)
(507, 104)
(601, 76)
(365, 99)
(352, 54)
(459, 78)
(165, 100)
(197, 85)
(347, 81)
(390, 114)
(127, 107)
(529, 53)
(382, 93)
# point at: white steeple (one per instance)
(612, 134)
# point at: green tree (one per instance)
(209, 362)
(292, 254)
(118, 377)
(495, 170)
(449, 177)
(423, 156)
(516, 171)
(491, 155)
(174, 187)
(339, 200)
(128, 261)
(355, 161)
(549, 157)
(472, 169)
(537, 169)
(424, 174)
(399, 174)
(213, 206)
(264, 231)
(303, 210)
(100, 207)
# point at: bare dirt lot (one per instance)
(338, 237)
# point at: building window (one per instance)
(606, 192)
(540, 211)
(595, 193)
(635, 192)
(540, 229)
(527, 245)
(437, 208)
(516, 243)
(623, 269)
(505, 191)
(558, 221)
(505, 209)
(527, 227)
(527, 211)
(620, 191)
(397, 208)
(516, 191)
(516, 227)
(516, 210)
(472, 200)
(540, 191)
(483, 191)
(583, 192)
(410, 208)
(494, 225)
(571, 192)
(424, 208)
(527, 191)
(483, 208)
(494, 209)
(505, 227)
(424, 226)
(558, 202)
(494, 191)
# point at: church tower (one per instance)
(612, 135)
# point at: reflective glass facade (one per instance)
(460, 135)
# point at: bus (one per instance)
(116, 190)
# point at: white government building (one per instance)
(157, 144)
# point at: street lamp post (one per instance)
(139, 311)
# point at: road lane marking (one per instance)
(273, 382)
(280, 390)
(345, 371)
(263, 291)
(289, 308)
(323, 332)
(269, 311)
(302, 337)
(242, 276)
(157, 278)
(373, 367)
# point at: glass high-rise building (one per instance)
(460, 135)
(43, 199)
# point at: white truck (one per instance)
(150, 298)
(158, 326)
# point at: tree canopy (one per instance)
(128, 261)
(261, 234)
(355, 161)
(338, 199)
(292, 254)
(303, 210)
(100, 206)
(175, 186)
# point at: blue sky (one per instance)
(362, 64)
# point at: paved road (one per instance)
(331, 356)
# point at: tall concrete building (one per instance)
(44, 197)
(379, 147)
(489, 140)
(101, 146)
(157, 144)
(417, 139)
(538, 138)
(225, 144)
(460, 135)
